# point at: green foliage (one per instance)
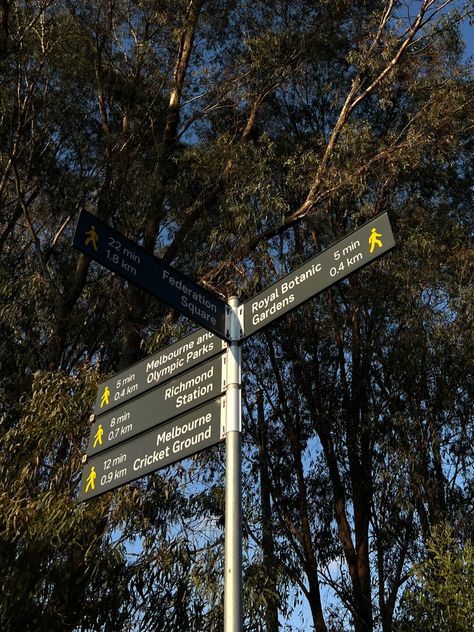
(441, 592)
(59, 567)
(201, 130)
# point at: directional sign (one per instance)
(134, 263)
(157, 368)
(344, 257)
(161, 404)
(153, 450)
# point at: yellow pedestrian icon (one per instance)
(374, 240)
(105, 397)
(91, 479)
(98, 436)
(92, 237)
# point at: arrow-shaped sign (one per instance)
(121, 255)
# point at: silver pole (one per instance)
(233, 489)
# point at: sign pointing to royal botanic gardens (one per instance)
(351, 253)
(121, 255)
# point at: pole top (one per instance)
(233, 319)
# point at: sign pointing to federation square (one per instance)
(121, 255)
(161, 404)
(166, 444)
(325, 269)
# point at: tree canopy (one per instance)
(236, 140)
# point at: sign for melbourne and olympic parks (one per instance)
(162, 446)
(155, 369)
(325, 269)
(161, 404)
(121, 255)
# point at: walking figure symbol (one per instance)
(374, 240)
(92, 237)
(105, 397)
(98, 436)
(91, 479)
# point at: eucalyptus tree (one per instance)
(387, 451)
(234, 140)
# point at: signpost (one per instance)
(205, 382)
(121, 255)
(139, 425)
(233, 477)
(162, 446)
(325, 269)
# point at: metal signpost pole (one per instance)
(233, 495)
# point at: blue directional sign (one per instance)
(126, 258)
